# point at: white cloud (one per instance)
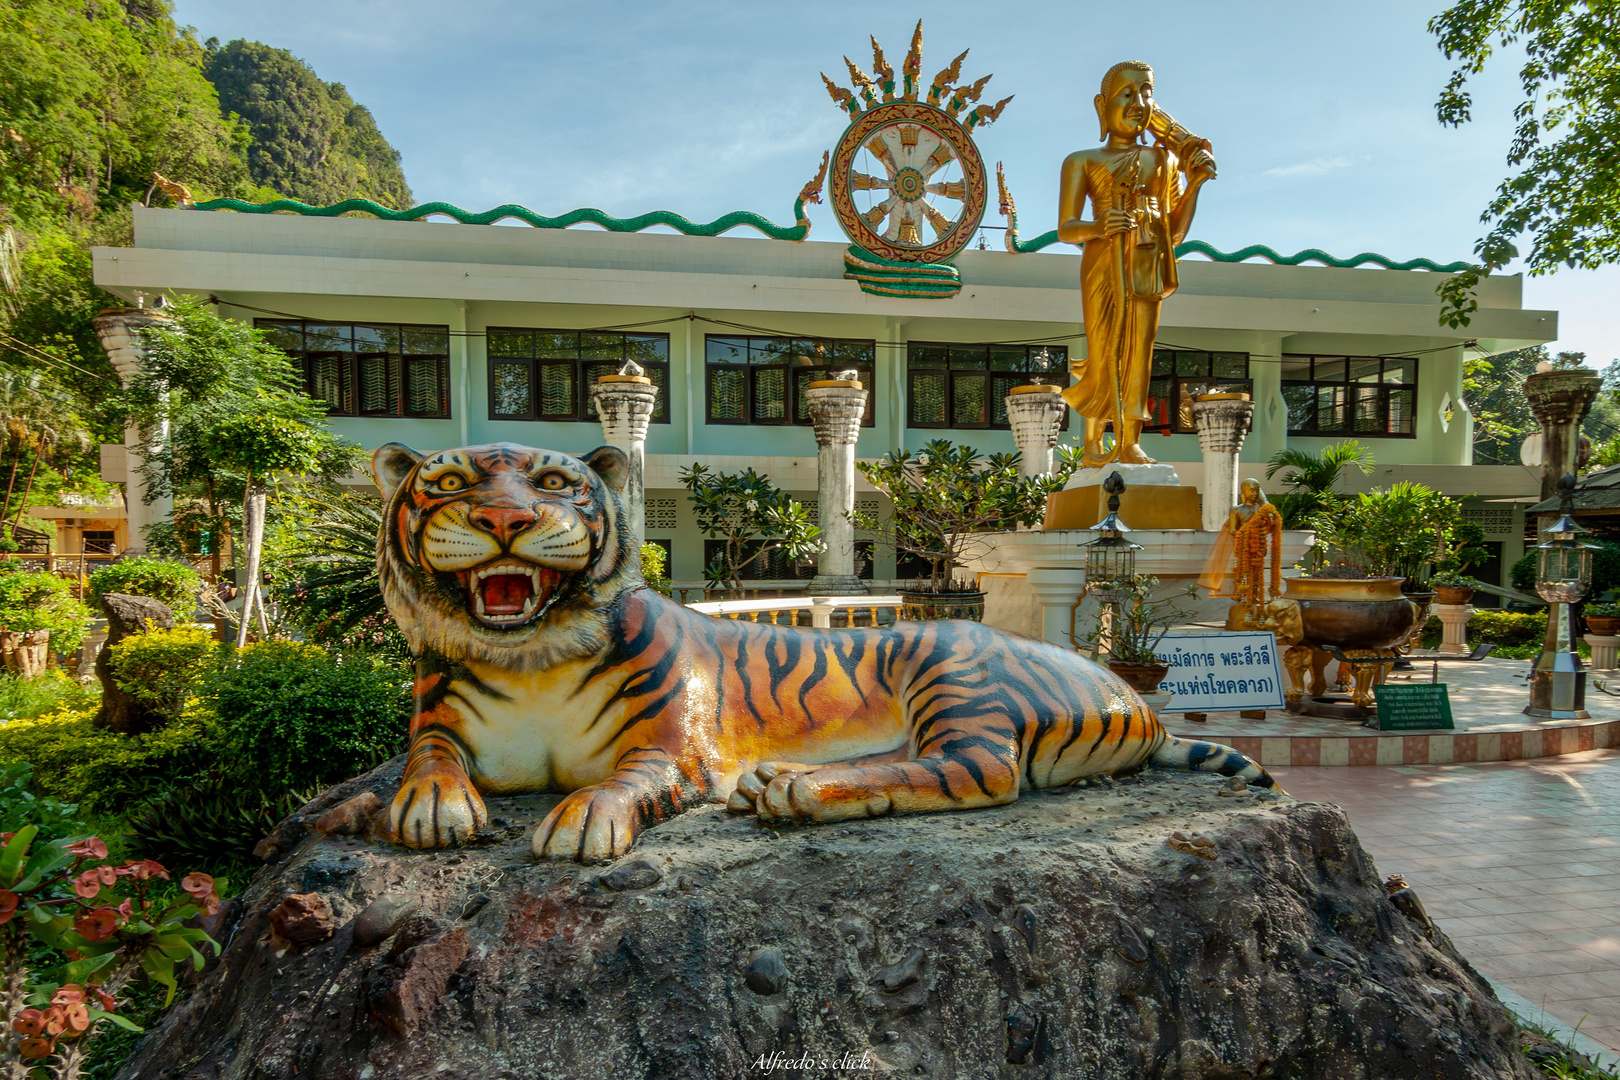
(1314, 167)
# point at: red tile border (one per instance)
(1363, 751)
(1248, 747)
(1512, 746)
(1415, 750)
(1465, 748)
(1585, 738)
(1305, 751)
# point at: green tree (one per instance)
(311, 141)
(1564, 192)
(947, 496)
(1312, 478)
(237, 417)
(752, 516)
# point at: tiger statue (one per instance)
(545, 662)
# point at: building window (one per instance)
(369, 369)
(1351, 395)
(1180, 375)
(548, 374)
(761, 380)
(953, 385)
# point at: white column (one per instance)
(836, 406)
(624, 404)
(1058, 589)
(1605, 651)
(120, 333)
(1454, 622)
(1035, 413)
(1223, 421)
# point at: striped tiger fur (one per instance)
(545, 662)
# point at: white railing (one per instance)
(821, 609)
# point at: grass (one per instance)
(50, 692)
(1553, 1057)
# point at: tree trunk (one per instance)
(253, 527)
(28, 489)
(5, 507)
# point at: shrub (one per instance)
(101, 770)
(1508, 628)
(171, 583)
(290, 717)
(158, 668)
(19, 806)
(654, 570)
(48, 693)
(31, 602)
(216, 823)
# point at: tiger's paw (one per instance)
(436, 807)
(777, 792)
(593, 824)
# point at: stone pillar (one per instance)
(1058, 589)
(836, 406)
(1223, 420)
(624, 404)
(120, 333)
(1454, 623)
(1035, 413)
(1560, 400)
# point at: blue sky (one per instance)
(1321, 113)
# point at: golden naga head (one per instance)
(1125, 104)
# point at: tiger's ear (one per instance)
(391, 464)
(611, 464)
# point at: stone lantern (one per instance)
(836, 407)
(1035, 413)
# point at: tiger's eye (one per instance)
(553, 481)
(451, 482)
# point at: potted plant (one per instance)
(945, 499)
(1602, 619)
(1452, 587)
(1139, 625)
(752, 517)
(38, 611)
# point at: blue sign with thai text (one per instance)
(1219, 672)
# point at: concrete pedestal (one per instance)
(1223, 422)
(1035, 414)
(625, 404)
(1454, 619)
(1605, 651)
(836, 407)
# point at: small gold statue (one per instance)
(1250, 544)
(1140, 210)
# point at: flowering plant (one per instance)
(109, 922)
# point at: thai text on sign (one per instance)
(1222, 671)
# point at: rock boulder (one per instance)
(1154, 927)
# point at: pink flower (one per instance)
(98, 925)
(90, 848)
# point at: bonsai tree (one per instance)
(38, 604)
(1311, 478)
(1141, 623)
(752, 516)
(1468, 548)
(260, 446)
(947, 496)
(1391, 533)
(164, 580)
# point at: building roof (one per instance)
(1596, 492)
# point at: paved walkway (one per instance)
(1518, 861)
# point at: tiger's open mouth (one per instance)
(508, 592)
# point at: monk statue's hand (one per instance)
(1202, 166)
(1118, 221)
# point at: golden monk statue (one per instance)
(1140, 210)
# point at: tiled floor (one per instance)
(1519, 862)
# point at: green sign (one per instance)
(1413, 708)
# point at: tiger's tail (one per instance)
(1190, 754)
